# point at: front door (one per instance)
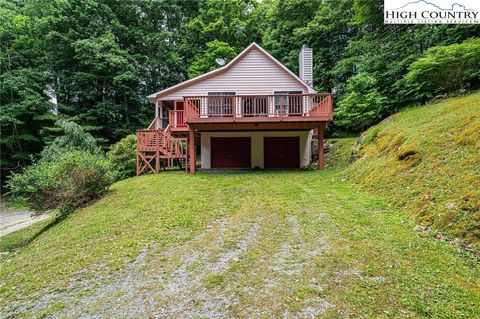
(179, 106)
(179, 115)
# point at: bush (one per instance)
(73, 138)
(122, 157)
(74, 179)
(446, 68)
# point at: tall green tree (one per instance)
(25, 107)
(208, 60)
(222, 29)
(107, 56)
(229, 21)
(283, 20)
(362, 105)
(328, 33)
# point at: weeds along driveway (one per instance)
(301, 244)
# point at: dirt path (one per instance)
(244, 266)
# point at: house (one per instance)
(251, 113)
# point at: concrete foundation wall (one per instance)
(257, 145)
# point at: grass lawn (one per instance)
(296, 244)
(427, 160)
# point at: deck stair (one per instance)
(157, 149)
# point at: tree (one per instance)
(362, 105)
(228, 21)
(328, 33)
(282, 20)
(221, 29)
(207, 61)
(73, 138)
(447, 68)
(25, 107)
(107, 56)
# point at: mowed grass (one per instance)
(376, 264)
(427, 159)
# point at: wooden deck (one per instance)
(157, 147)
(259, 108)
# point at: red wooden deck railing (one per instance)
(154, 145)
(176, 119)
(319, 105)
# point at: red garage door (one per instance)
(230, 152)
(281, 152)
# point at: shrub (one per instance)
(74, 138)
(72, 180)
(122, 157)
(446, 68)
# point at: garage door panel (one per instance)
(231, 152)
(281, 152)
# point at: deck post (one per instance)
(191, 148)
(321, 164)
(138, 160)
(157, 153)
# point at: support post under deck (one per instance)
(191, 149)
(321, 164)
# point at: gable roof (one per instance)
(225, 68)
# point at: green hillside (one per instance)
(238, 245)
(428, 160)
(272, 244)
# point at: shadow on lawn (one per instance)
(25, 236)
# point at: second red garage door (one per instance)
(281, 152)
(230, 152)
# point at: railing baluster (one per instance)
(281, 105)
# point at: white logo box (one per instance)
(431, 11)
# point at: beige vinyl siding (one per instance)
(255, 73)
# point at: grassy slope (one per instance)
(366, 238)
(427, 159)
